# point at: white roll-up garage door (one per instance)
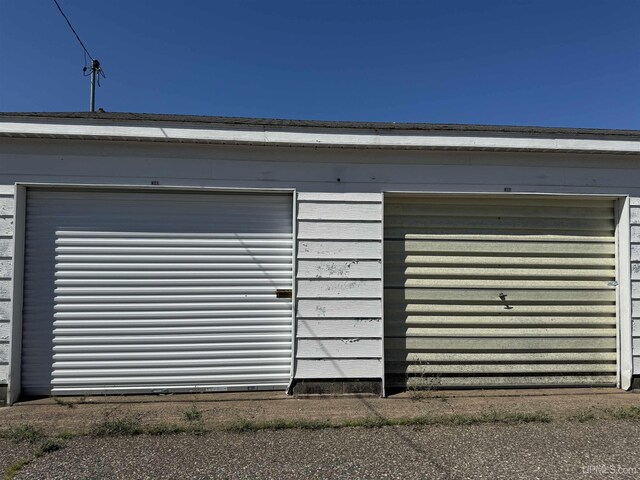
(152, 292)
(505, 291)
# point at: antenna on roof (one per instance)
(95, 70)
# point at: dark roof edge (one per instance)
(282, 123)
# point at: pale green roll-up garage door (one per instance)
(503, 291)
(156, 292)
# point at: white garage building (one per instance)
(155, 253)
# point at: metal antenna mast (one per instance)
(95, 70)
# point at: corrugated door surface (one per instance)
(491, 292)
(150, 292)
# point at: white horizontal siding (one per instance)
(339, 368)
(5, 288)
(339, 308)
(339, 211)
(339, 286)
(635, 250)
(324, 250)
(370, 171)
(353, 288)
(329, 348)
(6, 225)
(6, 248)
(5, 311)
(350, 328)
(352, 230)
(342, 197)
(6, 267)
(4, 331)
(363, 269)
(635, 280)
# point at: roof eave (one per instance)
(313, 136)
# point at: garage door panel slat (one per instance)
(166, 363)
(151, 380)
(503, 248)
(487, 234)
(489, 261)
(178, 314)
(180, 348)
(396, 274)
(503, 320)
(511, 368)
(549, 331)
(244, 288)
(516, 223)
(499, 284)
(266, 367)
(500, 209)
(490, 381)
(427, 344)
(498, 310)
(513, 296)
(78, 359)
(499, 357)
(170, 322)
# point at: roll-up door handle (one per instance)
(503, 297)
(284, 293)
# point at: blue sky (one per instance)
(553, 63)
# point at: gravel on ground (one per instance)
(557, 450)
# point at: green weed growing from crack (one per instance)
(631, 412)
(23, 432)
(47, 446)
(118, 426)
(192, 414)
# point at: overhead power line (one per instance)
(73, 29)
(95, 69)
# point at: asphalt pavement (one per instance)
(556, 450)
